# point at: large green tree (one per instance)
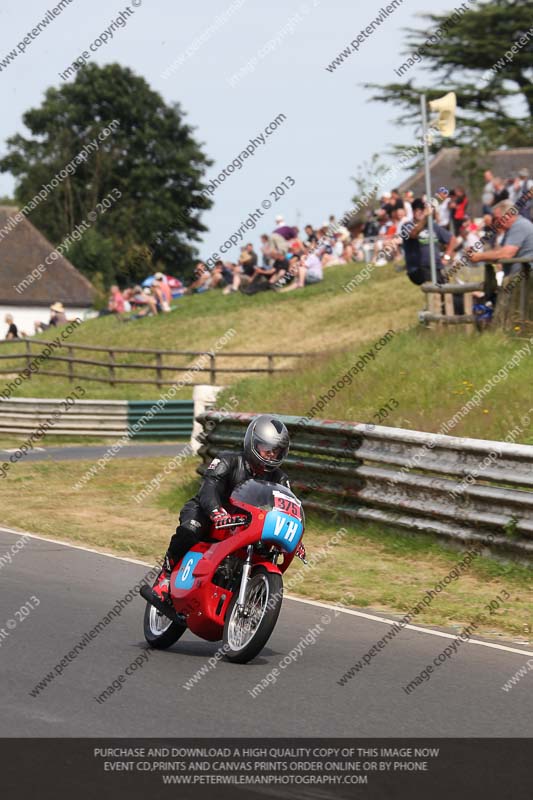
(471, 52)
(152, 158)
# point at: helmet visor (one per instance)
(270, 454)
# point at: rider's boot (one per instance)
(180, 544)
(162, 585)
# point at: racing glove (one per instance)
(220, 516)
(300, 553)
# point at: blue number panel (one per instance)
(282, 529)
(184, 577)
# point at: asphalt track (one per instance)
(94, 452)
(76, 588)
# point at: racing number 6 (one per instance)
(187, 569)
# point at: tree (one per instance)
(367, 181)
(94, 254)
(150, 157)
(483, 53)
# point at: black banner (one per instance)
(259, 768)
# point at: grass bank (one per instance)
(317, 318)
(419, 380)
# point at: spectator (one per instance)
(469, 234)
(266, 249)
(396, 234)
(488, 230)
(312, 237)
(162, 293)
(487, 198)
(347, 251)
(222, 275)
(201, 279)
(279, 243)
(57, 317)
(386, 231)
(458, 205)
(244, 271)
(307, 270)
(290, 274)
(312, 266)
(286, 231)
(116, 304)
(500, 191)
(338, 249)
(517, 240)
(248, 259)
(408, 198)
(290, 279)
(12, 331)
(371, 228)
(522, 190)
(358, 251)
(143, 300)
(443, 209)
(261, 278)
(296, 247)
(280, 266)
(416, 245)
(394, 202)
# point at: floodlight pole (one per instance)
(428, 189)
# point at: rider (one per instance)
(266, 443)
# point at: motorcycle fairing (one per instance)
(282, 529)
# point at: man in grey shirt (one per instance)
(518, 239)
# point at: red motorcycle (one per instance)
(230, 587)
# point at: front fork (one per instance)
(245, 577)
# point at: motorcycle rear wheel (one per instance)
(245, 634)
(159, 631)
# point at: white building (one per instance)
(34, 275)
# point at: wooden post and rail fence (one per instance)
(157, 367)
(513, 309)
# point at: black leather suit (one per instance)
(223, 474)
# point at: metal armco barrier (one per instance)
(402, 478)
(175, 418)
(98, 417)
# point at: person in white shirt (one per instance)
(487, 198)
(407, 200)
(309, 270)
(444, 214)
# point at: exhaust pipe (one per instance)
(150, 596)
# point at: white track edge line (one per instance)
(74, 546)
(295, 599)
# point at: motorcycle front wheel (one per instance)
(159, 631)
(247, 630)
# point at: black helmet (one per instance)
(266, 433)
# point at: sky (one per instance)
(235, 66)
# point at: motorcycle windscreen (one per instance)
(284, 522)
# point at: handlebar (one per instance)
(235, 521)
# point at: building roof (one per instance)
(445, 172)
(22, 249)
